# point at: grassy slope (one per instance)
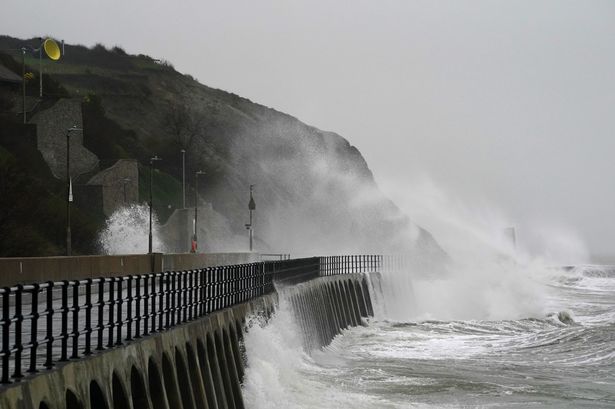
(302, 174)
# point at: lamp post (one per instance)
(124, 181)
(251, 208)
(69, 189)
(183, 151)
(52, 50)
(151, 203)
(195, 239)
(23, 82)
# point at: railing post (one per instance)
(167, 309)
(49, 338)
(138, 307)
(129, 318)
(120, 301)
(191, 295)
(210, 291)
(64, 329)
(185, 290)
(203, 292)
(111, 304)
(75, 332)
(34, 328)
(146, 300)
(18, 318)
(100, 327)
(88, 317)
(6, 326)
(161, 294)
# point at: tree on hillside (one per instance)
(183, 124)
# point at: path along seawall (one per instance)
(169, 340)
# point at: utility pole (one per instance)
(40, 68)
(251, 207)
(151, 200)
(183, 151)
(69, 189)
(195, 240)
(23, 81)
(124, 181)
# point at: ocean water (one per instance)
(506, 337)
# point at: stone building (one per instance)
(119, 185)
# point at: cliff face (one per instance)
(314, 192)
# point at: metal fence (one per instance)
(51, 322)
(350, 264)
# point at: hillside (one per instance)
(314, 191)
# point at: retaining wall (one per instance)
(193, 366)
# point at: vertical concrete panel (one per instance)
(137, 390)
(212, 356)
(157, 391)
(232, 366)
(322, 306)
(72, 401)
(368, 298)
(198, 387)
(362, 301)
(333, 324)
(297, 308)
(236, 352)
(349, 304)
(185, 384)
(338, 320)
(342, 305)
(97, 397)
(324, 324)
(353, 301)
(120, 398)
(313, 319)
(336, 307)
(324, 319)
(309, 317)
(170, 383)
(224, 370)
(241, 346)
(206, 374)
(330, 311)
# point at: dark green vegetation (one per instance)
(32, 201)
(313, 192)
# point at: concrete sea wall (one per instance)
(196, 365)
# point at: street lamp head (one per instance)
(153, 159)
(199, 172)
(74, 128)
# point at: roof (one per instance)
(7, 75)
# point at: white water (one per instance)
(518, 353)
(127, 232)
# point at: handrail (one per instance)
(51, 322)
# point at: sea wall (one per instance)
(193, 366)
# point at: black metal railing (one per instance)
(333, 265)
(51, 322)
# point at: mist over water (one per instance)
(127, 232)
(491, 326)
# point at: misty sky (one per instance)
(502, 104)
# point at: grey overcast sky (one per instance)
(509, 103)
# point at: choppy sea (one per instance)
(509, 339)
